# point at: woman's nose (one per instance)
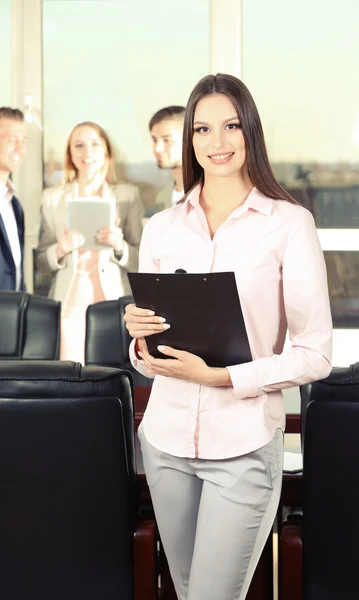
(87, 151)
(217, 139)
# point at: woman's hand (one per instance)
(69, 241)
(111, 237)
(141, 322)
(185, 366)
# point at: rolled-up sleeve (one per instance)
(138, 364)
(308, 316)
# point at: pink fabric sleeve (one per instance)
(146, 265)
(306, 301)
(138, 364)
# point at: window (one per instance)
(5, 53)
(302, 71)
(118, 62)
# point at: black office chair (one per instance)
(29, 327)
(305, 397)
(107, 339)
(68, 507)
(325, 540)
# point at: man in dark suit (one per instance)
(12, 151)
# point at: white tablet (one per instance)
(87, 215)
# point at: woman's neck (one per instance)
(90, 187)
(225, 193)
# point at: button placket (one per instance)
(192, 415)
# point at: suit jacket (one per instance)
(7, 265)
(112, 272)
(164, 198)
(163, 201)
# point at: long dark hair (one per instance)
(259, 169)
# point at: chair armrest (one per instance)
(145, 560)
(291, 560)
(295, 517)
(292, 423)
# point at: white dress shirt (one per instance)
(176, 196)
(8, 217)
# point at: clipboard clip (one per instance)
(180, 271)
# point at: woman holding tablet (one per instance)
(212, 438)
(82, 276)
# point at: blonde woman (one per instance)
(82, 277)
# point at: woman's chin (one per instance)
(89, 172)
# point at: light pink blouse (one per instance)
(273, 248)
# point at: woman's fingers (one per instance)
(142, 322)
(149, 326)
(132, 309)
(141, 330)
(141, 315)
(147, 364)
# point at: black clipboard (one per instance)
(204, 312)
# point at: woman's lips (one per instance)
(222, 158)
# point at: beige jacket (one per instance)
(113, 272)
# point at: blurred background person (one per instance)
(82, 276)
(13, 138)
(166, 128)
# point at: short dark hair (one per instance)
(15, 114)
(169, 112)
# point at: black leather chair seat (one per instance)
(67, 485)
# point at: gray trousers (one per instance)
(214, 516)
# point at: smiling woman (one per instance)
(219, 147)
(212, 438)
(81, 274)
(218, 144)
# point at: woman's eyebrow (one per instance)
(236, 118)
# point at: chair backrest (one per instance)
(331, 487)
(305, 394)
(29, 327)
(66, 482)
(107, 339)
